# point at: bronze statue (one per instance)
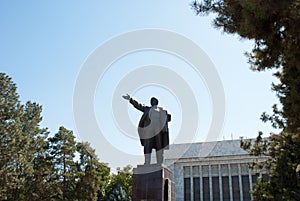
(152, 129)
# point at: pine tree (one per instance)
(62, 152)
(274, 26)
(34, 167)
(37, 186)
(10, 114)
(94, 176)
(19, 129)
(34, 152)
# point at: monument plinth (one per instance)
(152, 183)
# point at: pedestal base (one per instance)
(152, 183)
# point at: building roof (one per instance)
(204, 149)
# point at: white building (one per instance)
(211, 171)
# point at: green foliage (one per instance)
(274, 26)
(122, 181)
(282, 153)
(35, 153)
(118, 194)
(20, 134)
(93, 175)
(36, 167)
(62, 153)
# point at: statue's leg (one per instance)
(159, 149)
(147, 159)
(147, 152)
(160, 156)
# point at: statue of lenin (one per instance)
(152, 129)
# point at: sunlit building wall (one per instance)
(211, 171)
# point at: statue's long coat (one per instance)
(162, 137)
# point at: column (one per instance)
(230, 183)
(250, 182)
(179, 181)
(210, 183)
(192, 183)
(201, 184)
(240, 182)
(220, 183)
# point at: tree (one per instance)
(10, 115)
(122, 181)
(36, 167)
(62, 152)
(93, 175)
(19, 130)
(274, 26)
(36, 181)
(283, 150)
(118, 194)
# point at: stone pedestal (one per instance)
(152, 183)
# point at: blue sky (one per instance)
(45, 43)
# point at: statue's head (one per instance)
(154, 101)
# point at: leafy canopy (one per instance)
(274, 27)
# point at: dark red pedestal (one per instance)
(152, 183)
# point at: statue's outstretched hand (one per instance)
(127, 97)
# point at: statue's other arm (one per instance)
(169, 117)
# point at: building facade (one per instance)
(211, 171)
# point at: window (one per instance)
(246, 188)
(235, 187)
(206, 192)
(216, 188)
(225, 188)
(187, 189)
(196, 184)
(187, 183)
(225, 182)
